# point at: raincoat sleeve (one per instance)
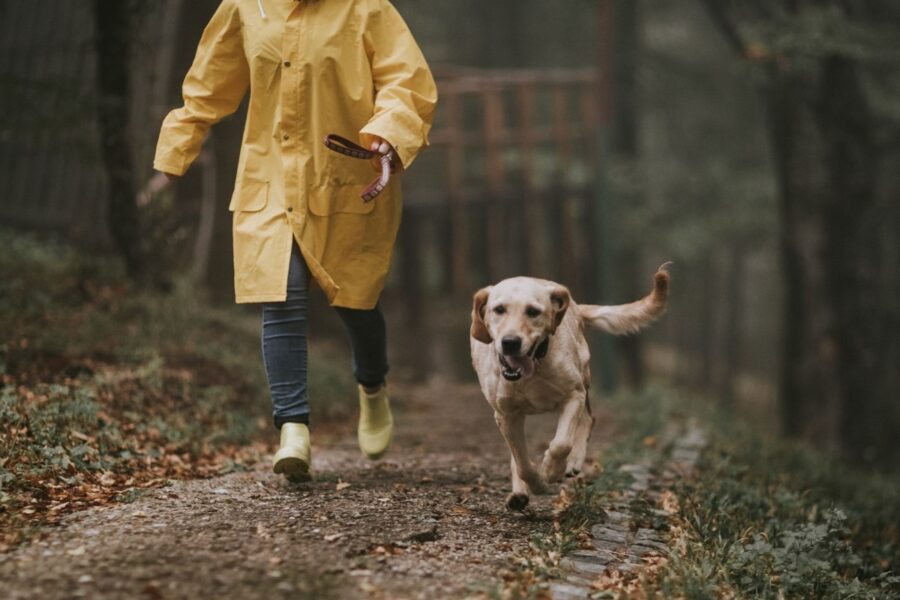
(405, 92)
(213, 89)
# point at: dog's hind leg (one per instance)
(575, 464)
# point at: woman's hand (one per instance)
(381, 146)
(155, 185)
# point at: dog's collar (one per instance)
(540, 350)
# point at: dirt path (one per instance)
(428, 521)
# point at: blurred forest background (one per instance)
(756, 144)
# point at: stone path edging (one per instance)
(617, 544)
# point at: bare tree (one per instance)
(840, 329)
(113, 20)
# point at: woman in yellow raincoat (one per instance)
(312, 67)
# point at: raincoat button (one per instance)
(290, 209)
(287, 63)
(287, 137)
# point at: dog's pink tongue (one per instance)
(522, 363)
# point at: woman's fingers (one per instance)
(155, 184)
(380, 146)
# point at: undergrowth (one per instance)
(760, 518)
(772, 519)
(108, 389)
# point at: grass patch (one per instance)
(108, 389)
(772, 519)
(760, 519)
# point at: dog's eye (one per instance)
(499, 310)
(532, 312)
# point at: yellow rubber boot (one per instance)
(293, 457)
(376, 424)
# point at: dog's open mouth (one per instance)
(513, 368)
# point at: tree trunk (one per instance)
(735, 281)
(112, 20)
(626, 49)
(835, 330)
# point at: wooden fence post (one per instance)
(600, 214)
(493, 134)
(535, 246)
(452, 99)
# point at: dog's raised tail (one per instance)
(624, 319)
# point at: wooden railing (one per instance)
(509, 175)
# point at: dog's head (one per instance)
(516, 316)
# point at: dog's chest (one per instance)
(532, 397)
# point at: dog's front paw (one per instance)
(516, 502)
(553, 468)
(574, 466)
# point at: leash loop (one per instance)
(342, 145)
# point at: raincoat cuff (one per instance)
(405, 133)
(169, 167)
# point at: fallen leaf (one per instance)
(669, 502)
(341, 486)
(367, 587)
(360, 573)
(333, 537)
(79, 551)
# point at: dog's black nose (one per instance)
(512, 344)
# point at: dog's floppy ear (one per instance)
(479, 330)
(559, 299)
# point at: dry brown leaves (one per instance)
(140, 458)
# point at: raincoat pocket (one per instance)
(249, 195)
(327, 201)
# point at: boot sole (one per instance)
(294, 469)
(382, 452)
(377, 455)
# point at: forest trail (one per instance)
(427, 521)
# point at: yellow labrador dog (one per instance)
(531, 356)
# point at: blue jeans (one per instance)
(284, 346)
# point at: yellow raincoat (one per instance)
(313, 67)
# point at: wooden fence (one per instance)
(51, 175)
(506, 187)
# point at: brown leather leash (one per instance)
(344, 146)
